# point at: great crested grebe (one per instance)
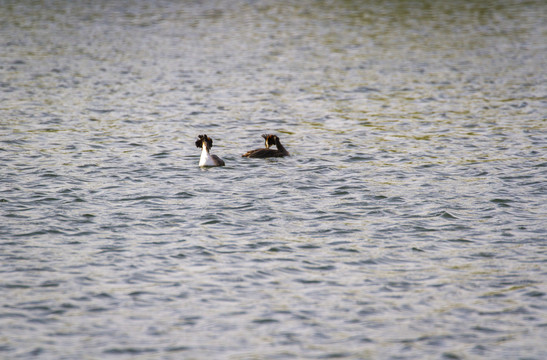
(206, 143)
(267, 152)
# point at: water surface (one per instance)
(409, 222)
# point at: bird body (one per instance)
(206, 158)
(267, 152)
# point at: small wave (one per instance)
(101, 111)
(445, 215)
(130, 351)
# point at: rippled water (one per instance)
(409, 222)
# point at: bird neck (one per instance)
(280, 147)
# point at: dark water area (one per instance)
(409, 221)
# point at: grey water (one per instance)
(409, 221)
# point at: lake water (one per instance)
(409, 222)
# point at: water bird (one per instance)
(266, 152)
(206, 143)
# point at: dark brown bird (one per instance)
(269, 140)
